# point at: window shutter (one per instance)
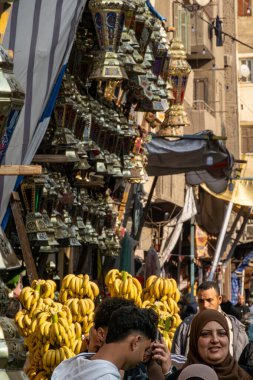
(181, 19)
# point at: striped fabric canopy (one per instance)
(41, 34)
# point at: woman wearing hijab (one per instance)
(209, 345)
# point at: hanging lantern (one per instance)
(108, 17)
(178, 72)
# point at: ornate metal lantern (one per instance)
(178, 72)
(11, 95)
(109, 18)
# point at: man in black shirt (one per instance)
(228, 307)
(241, 308)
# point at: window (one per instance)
(181, 21)
(247, 139)
(201, 89)
(248, 62)
(244, 7)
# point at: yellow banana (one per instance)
(138, 285)
(86, 279)
(146, 303)
(95, 289)
(117, 284)
(72, 284)
(66, 280)
(78, 330)
(177, 295)
(129, 285)
(174, 285)
(75, 306)
(83, 307)
(52, 360)
(156, 291)
(150, 281)
(57, 357)
(62, 354)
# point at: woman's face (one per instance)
(213, 343)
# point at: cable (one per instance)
(214, 27)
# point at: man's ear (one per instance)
(220, 299)
(134, 342)
(101, 335)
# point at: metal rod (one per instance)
(238, 236)
(232, 229)
(192, 274)
(220, 240)
(179, 258)
(191, 137)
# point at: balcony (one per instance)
(202, 117)
(201, 44)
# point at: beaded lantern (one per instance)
(178, 72)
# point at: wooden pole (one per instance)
(20, 169)
(146, 208)
(23, 238)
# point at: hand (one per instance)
(162, 355)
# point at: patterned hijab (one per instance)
(229, 368)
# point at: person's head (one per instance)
(209, 297)
(198, 372)
(209, 338)
(224, 298)
(133, 329)
(102, 316)
(241, 299)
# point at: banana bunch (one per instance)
(158, 288)
(55, 331)
(46, 288)
(52, 358)
(78, 286)
(24, 322)
(28, 297)
(122, 284)
(162, 295)
(82, 311)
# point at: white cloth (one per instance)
(41, 34)
(170, 240)
(80, 368)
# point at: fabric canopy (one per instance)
(242, 189)
(200, 156)
(41, 34)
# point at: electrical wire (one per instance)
(233, 38)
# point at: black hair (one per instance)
(206, 285)
(128, 319)
(105, 309)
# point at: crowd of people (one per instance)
(125, 343)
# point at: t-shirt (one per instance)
(81, 368)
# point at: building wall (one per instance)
(245, 89)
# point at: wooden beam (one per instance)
(22, 235)
(20, 169)
(54, 158)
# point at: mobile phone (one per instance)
(158, 336)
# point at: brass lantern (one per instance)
(178, 72)
(108, 17)
(11, 95)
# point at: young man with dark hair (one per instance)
(130, 333)
(102, 316)
(208, 294)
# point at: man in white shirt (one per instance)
(130, 333)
